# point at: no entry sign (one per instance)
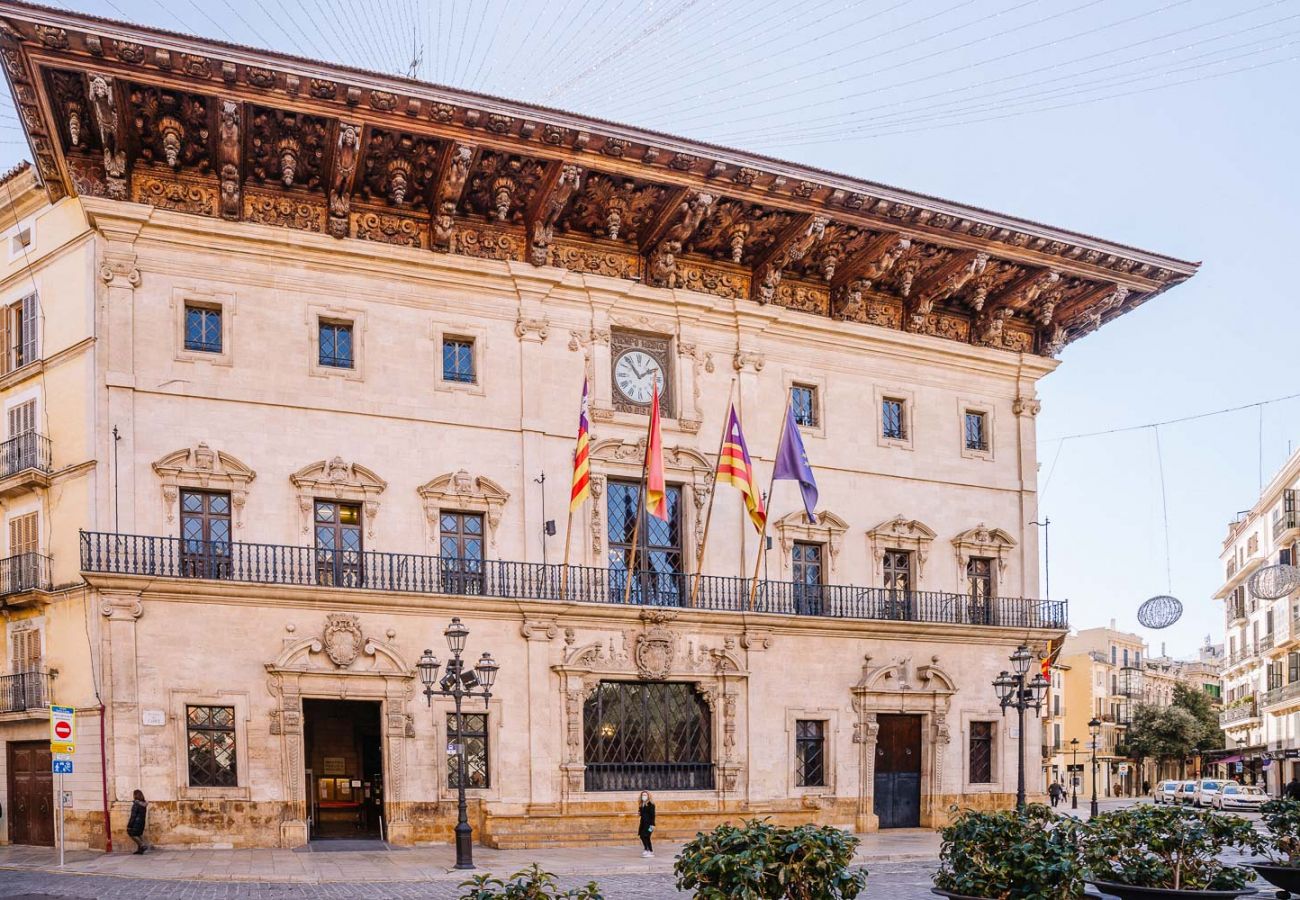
(63, 729)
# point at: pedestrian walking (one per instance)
(646, 826)
(1293, 787)
(135, 825)
(1054, 793)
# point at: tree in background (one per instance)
(1204, 710)
(1165, 734)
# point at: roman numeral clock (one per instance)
(639, 362)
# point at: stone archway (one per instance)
(341, 663)
(898, 686)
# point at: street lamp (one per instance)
(458, 683)
(1016, 693)
(1094, 729)
(1074, 774)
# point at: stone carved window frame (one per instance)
(1001, 733)
(460, 491)
(900, 533)
(177, 701)
(982, 540)
(986, 408)
(222, 301)
(622, 460)
(830, 741)
(829, 531)
(717, 673)
(897, 687)
(793, 376)
(477, 335)
(322, 313)
(442, 707)
(885, 392)
(335, 479)
(203, 469)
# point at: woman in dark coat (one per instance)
(135, 825)
(646, 827)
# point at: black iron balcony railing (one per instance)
(24, 691)
(166, 557)
(634, 776)
(27, 451)
(24, 572)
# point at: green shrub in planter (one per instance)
(1167, 847)
(761, 861)
(1011, 855)
(1281, 819)
(527, 884)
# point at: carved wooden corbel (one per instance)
(229, 159)
(551, 200)
(452, 175)
(682, 216)
(946, 280)
(857, 275)
(102, 96)
(346, 152)
(791, 247)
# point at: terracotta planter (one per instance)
(1132, 892)
(1287, 878)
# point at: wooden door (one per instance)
(898, 771)
(31, 794)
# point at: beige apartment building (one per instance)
(1106, 682)
(299, 344)
(1261, 675)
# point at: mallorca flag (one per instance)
(581, 466)
(1049, 658)
(656, 497)
(734, 468)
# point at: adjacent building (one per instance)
(292, 365)
(1261, 675)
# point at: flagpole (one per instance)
(568, 528)
(640, 504)
(767, 500)
(713, 493)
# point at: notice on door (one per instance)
(335, 765)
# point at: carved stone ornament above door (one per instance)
(463, 492)
(202, 468)
(901, 533)
(335, 479)
(983, 541)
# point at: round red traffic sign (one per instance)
(63, 730)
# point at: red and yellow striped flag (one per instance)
(581, 465)
(1049, 658)
(656, 495)
(734, 468)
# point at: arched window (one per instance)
(647, 735)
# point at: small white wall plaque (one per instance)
(153, 717)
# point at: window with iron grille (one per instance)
(210, 732)
(458, 360)
(898, 570)
(202, 329)
(981, 752)
(893, 421)
(205, 534)
(460, 546)
(647, 735)
(810, 752)
(806, 572)
(658, 578)
(336, 344)
(338, 543)
(977, 437)
(474, 734)
(804, 399)
(979, 580)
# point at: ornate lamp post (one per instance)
(1094, 729)
(1015, 692)
(459, 682)
(1074, 774)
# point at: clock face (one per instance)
(637, 374)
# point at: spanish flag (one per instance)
(656, 496)
(734, 468)
(581, 466)
(1049, 658)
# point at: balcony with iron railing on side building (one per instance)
(25, 464)
(155, 557)
(25, 692)
(1239, 712)
(24, 579)
(1288, 694)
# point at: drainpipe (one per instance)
(103, 778)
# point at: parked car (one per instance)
(1166, 791)
(1186, 792)
(1206, 790)
(1240, 796)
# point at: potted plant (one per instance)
(1031, 853)
(761, 861)
(533, 883)
(1281, 820)
(1165, 853)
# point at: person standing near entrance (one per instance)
(135, 824)
(646, 826)
(1054, 792)
(1292, 790)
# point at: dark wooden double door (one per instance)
(898, 771)
(31, 794)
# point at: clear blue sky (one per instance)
(1167, 124)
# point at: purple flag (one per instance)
(792, 464)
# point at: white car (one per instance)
(1186, 792)
(1166, 792)
(1240, 796)
(1207, 789)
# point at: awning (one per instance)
(1229, 759)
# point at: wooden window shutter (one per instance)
(22, 419)
(28, 339)
(23, 534)
(25, 650)
(6, 353)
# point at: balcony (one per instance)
(25, 691)
(1236, 715)
(1284, 694)
(166, 557)
(24, 464)
(24, 578)
(1265, 643)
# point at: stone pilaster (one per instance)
(122, 610)
(544, 754)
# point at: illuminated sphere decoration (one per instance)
(1274, 582)
(1160, 612)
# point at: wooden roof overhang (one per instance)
(216, 130)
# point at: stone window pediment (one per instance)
(464, 492)
(795, 526)
(901, 533)
(984, 541)
(335, 479)
(202, 468)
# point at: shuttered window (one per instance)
(24, 534)
(22, 419)
(19, 330)
(25, 651)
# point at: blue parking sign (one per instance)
(62, 767)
